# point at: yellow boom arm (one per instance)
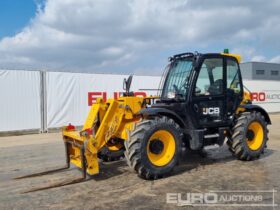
(106, 120)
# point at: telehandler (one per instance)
(202, 102)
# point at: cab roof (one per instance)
(190, 54)
(238, 57)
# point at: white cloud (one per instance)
(259, 58)
(275, 59)
(129, 35)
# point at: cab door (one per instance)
(234, 88)
(208, 99)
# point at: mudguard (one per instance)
(253, 107)
(162, 111)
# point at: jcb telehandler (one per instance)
(202, 102)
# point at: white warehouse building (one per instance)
(260, 71)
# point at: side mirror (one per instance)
(127, 84)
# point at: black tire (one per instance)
(238, 144)
(229, 143)
(108, 155)
(137, 144)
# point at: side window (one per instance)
(210, 78)
(233, 79)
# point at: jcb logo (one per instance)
(211, 110)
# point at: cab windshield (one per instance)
(176, 82)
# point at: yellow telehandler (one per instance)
(202, 102)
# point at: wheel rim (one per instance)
(161, 148)
(255, 135)
(115, 147)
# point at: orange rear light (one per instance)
(86, 132)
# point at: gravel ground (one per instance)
(117, 187)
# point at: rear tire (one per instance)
(112, 151)
(153, 147)
(108, 156)
(249, 136)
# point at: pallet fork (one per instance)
(52, 171)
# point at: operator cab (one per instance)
(205, 90)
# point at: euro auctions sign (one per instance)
(266, 99)
(92, 96)
(263, 93)
(262, 96)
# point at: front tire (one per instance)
(249, 136)
(153, 147)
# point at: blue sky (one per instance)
(132, 36)
(15, 15)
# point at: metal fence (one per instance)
(36, 101)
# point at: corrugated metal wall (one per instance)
(41, 100)
(69, 94)
(19, 100)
